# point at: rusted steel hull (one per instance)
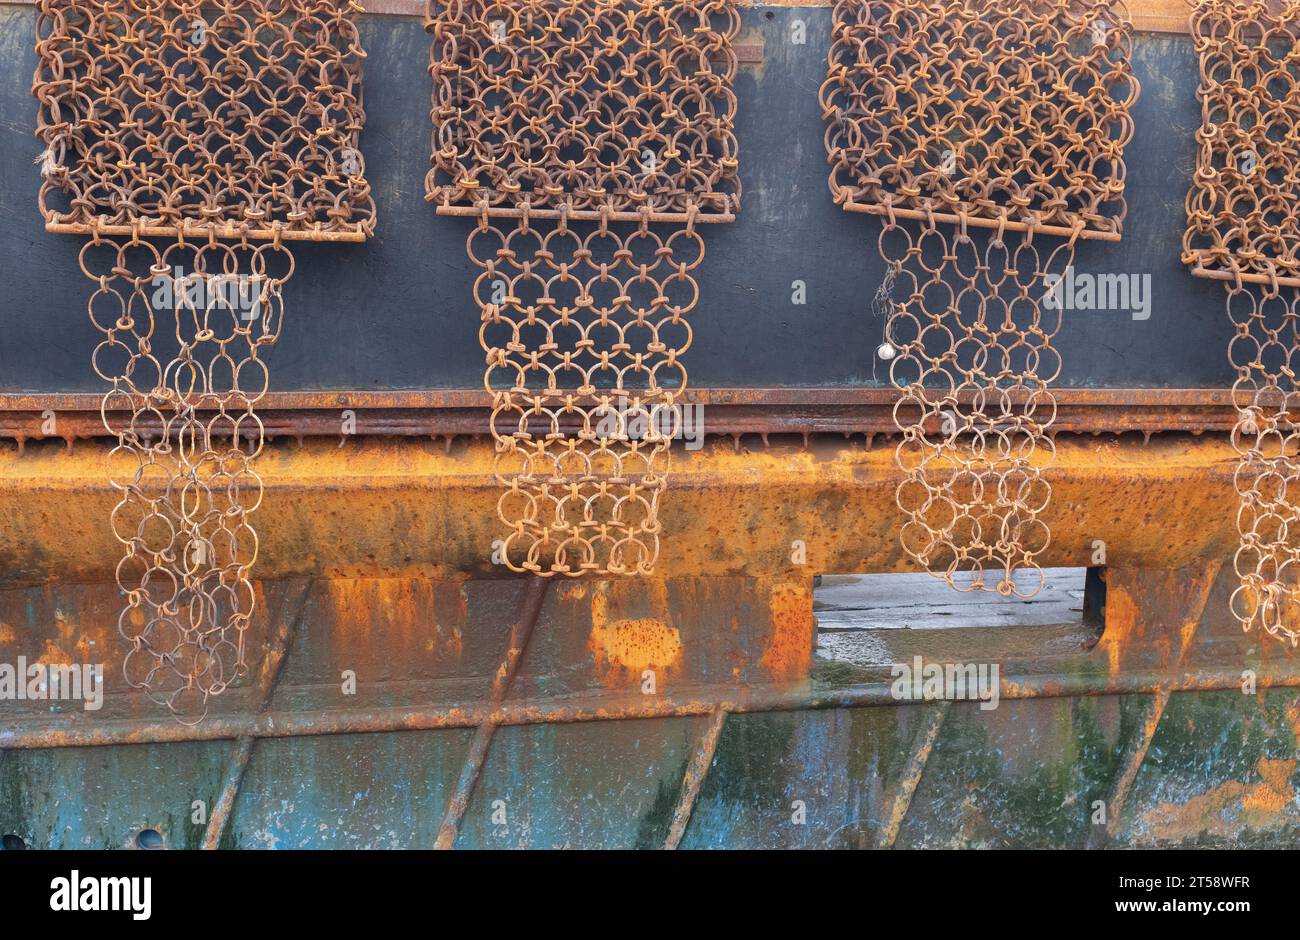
(464, 731)
(1152, 721)
(490, 713)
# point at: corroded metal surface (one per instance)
(742, 739)
(807, 763)
(394, 506)
(447, 414)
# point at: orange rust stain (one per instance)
(53, 654)
(625, 648)
(7, 634)
(456, 643)
(1275, 792)
(1229, 807)
(1293, 718)
(575, 590)
(1122, 615)
(788, 654)
(449, 618)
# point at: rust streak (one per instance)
(693, 779)
(790, 648)
(530, 607)
(1193, 592)
(221, 809)
(268, 681)
(912, 775)
(1137, 753)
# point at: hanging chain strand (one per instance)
(588, 140)
(975, 406)
(1241, 229)
(1005, 122)
(187, 435)
(227, 128)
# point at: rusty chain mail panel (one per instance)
(990, 137)
(589, 141)
(1242, 229)
(189, 141)
(240, 118)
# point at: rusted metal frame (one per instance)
(693, 779)
(308, 723)
(267, 683)
(225, 803)
(530, 607)
(203, 232)
(1134, 755)
(1006, 225)
(1240, 277)
(445, 398)
(580, 215)
(457, 412)
(911, 779)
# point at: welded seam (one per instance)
(693, 780)
(530, 607)
(268, 682)
(912, 775)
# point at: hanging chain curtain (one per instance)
(1242, 230)
(589, 141)
(187, 142)
(989, 137)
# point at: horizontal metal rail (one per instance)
(731, 411)
(1006, 225)
(201, 233)
(581, 215)
(620, 706)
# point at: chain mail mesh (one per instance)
(984, 134)
(588, 140)
(189, 140)
(1241, 229)
(239, 117)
